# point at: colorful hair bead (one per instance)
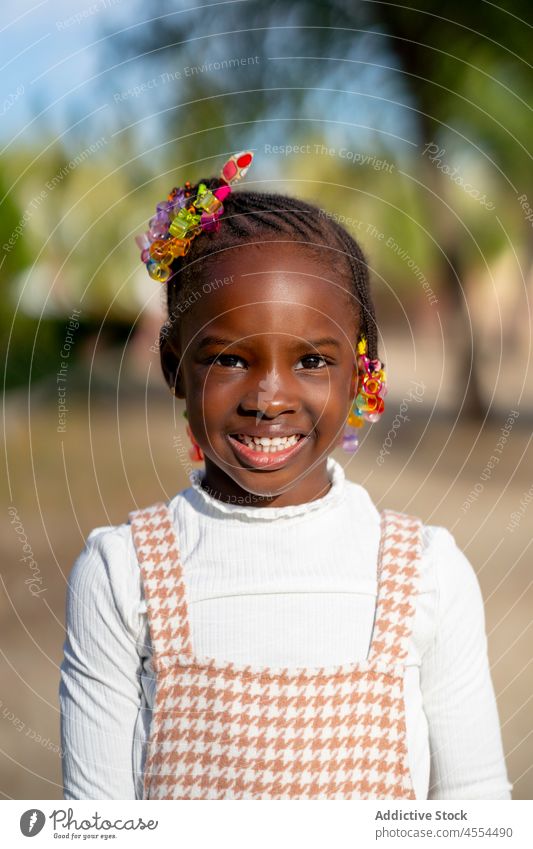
(161, 252)
(206, 200)
(368, 404)
(182, 217)
(143, 242)
(210, 223)
(157, 271)
(370, 385)
(158, 226)
(184, 224)
(355, 419)
(222, 193)
(176, 199)
(350, 442)
(179, 247)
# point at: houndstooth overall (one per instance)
(228, 731)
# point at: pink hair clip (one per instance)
(182, 217)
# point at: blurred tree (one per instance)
(18, 330)
(66, 226)
(471, 87)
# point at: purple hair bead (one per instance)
(178, 202)
(350, 442)
(210, 223)
(158, 227)
(143, 241)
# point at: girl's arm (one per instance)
(100, 692)
(467, 760)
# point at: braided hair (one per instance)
(254, 217)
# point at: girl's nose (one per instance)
(274, 393)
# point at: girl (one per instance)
(267, 633)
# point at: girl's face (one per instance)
(266, 349)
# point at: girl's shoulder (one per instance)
(445, 569)
(437, 540)
(106, 575)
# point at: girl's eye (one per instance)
(221, 359)
(314, 357)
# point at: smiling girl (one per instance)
(267, 633)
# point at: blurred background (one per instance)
(411, 123)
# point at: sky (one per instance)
(59, 82)
(51, 55)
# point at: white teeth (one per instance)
(267, 445)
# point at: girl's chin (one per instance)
(278, 472)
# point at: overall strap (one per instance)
(398, 573)
(157, 550)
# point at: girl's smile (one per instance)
(266, 365)
(267, 452)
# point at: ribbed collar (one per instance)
(211, 506)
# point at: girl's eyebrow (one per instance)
(219, 340)
(214, 340)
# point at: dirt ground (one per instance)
(114, 456)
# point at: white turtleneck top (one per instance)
(282, 586)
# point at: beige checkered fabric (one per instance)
(228, 731)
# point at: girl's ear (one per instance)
(170, 357)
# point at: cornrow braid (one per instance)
(257, 217)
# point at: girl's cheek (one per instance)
(327, 395)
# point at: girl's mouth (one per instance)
(265, 453)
